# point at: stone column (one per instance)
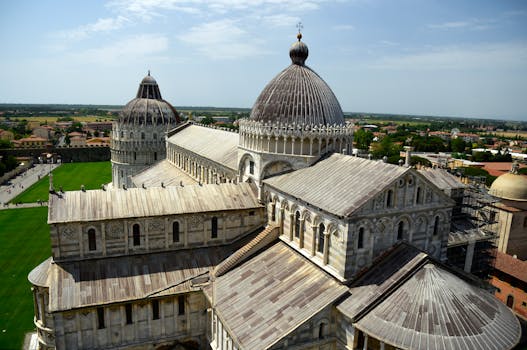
(282, 210)
(326, 247)
(314, 242)
(291, 225)
(301, 233)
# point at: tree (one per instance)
(458, 145)
(207, 120)
(363, 139)
(384, 148)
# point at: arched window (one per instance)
(436, 226)
(135, 156)
(155, 136)
(273, 212)
(142, 136)
(155, 155)
(214, 227)
(92, 244)
(321, 237)
(418, 196)
(322, 329)
(510, 301)
(121, 134)
(175, 232)
(400, 231)
(136, 231)
(131, 134)
(389, 199)
(360, 239)
(297, 224)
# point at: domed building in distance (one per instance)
(138, 136)
(271, 238)
(511, 189)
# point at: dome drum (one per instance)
(300, 140)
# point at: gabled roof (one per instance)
(93, 205)
(339, 184)
(217, 145)
(270, 295)
(410, 301)
(442, 179)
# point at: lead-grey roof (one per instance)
(270, 295)
(91, 282)
(297, 95)
(217, 145)
(94, 205)
(339, 184)
(409, 301)
(162, 173)
(149, 108)
(442, 179)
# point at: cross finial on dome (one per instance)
(299, 26)
(149, 72)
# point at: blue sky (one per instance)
(454, 58)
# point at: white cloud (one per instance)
(281, 20)
(471, 24)
(101, 25)
(509, 55)
(222, 39)
(132, 48)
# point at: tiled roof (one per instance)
(511, 266)
(270, 295)
(419, 304)
(93, 205)
(217, 145)
(339, 184)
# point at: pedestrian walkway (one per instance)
(23, 205)
(23, 181)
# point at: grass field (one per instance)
(24, 238)
(70, 176)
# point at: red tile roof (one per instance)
(511, 266)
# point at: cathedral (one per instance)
(271, 237)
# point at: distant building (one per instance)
(511, 189)
(510, 279)
(6, 135)
(31, 142)
(44, 131)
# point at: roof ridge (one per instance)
(269, 234)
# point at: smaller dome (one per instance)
(298, 51)
(149, 88)
(510, 186)
(149, 108)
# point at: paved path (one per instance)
(23, 181)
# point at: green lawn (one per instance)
(24, 242)
(70, 176)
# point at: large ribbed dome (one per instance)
(149, 108)
(298, 95)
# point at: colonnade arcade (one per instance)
(303, 140)
(199, 168)
(308, 230)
